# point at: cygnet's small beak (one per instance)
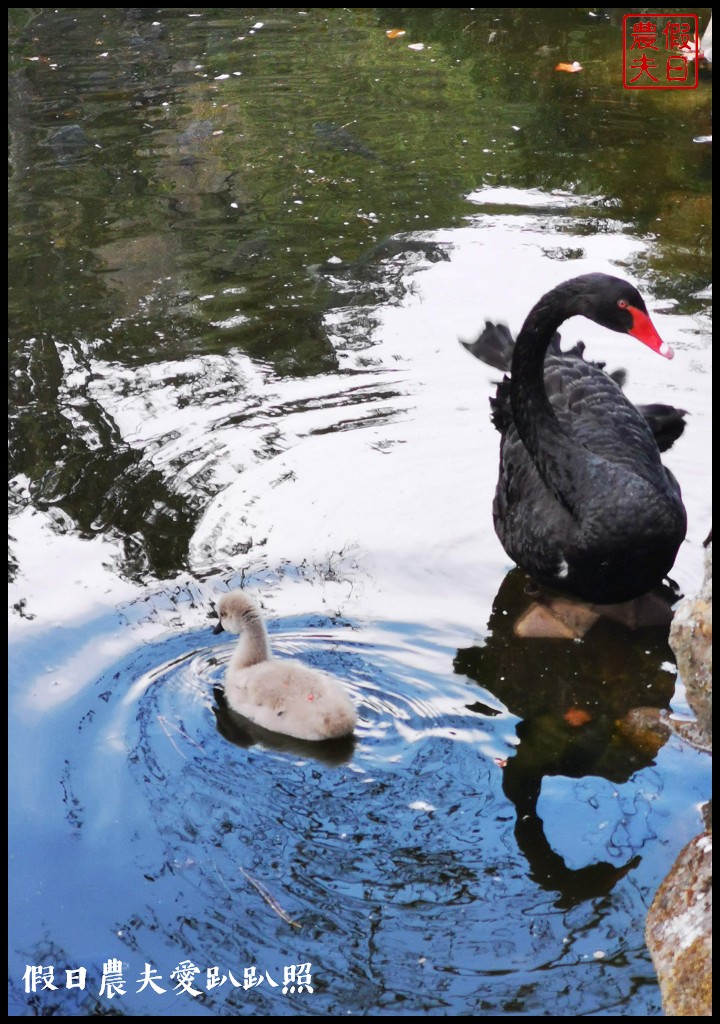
(218, 628)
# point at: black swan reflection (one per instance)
(577, 702)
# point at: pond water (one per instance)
(244, 245)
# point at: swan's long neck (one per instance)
(553, 452)
(253, 645)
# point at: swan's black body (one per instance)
(583, 503)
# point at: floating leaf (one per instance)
(395, 33)
(576, 717)
(569, 67)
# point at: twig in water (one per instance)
(270, 901)
(165, 726)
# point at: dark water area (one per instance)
(243, 247)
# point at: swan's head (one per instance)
(617, 305)
(236, 611)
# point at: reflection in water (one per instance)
(572, 698)
(213, 285)
(338, 137)
(390, 864)
(244, 733)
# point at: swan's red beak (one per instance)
(644, 330)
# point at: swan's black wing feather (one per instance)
(494, 346)
(666, 422)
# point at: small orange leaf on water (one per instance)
(395, 33)
(569, 67)
(576, 716)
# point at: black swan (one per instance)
(583, 502)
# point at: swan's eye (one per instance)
(622, 304)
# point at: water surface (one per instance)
(243, 247)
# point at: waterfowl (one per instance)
(583, 503)
(281, 696)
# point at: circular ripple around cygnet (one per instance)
(401, 697)
(259, 849)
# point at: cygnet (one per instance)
(282, 696)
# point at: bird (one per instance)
(583, 503)
(281, 696)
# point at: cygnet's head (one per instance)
(236, 612)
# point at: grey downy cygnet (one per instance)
(282, 696)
